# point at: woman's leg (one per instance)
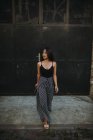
(49, 101)
(42, 104)
(50, 93)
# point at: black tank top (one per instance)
(46, 72)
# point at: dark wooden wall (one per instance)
(20, 45)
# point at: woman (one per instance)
(46, 85)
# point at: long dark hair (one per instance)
(49, 53)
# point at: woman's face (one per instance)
(44, 54)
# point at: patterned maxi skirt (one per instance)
(44, 97)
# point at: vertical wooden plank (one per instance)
(27, 9)
(91, 77)
(20, 7)
(67, 12)
(13, 12)
(40, 11)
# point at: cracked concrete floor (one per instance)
(65, 110)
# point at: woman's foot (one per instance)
(46, 125)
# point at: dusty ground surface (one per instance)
(72, 118)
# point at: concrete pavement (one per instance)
(66, 111)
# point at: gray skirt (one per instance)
(44, 97)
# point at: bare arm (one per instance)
(55, 77)
(38, 71)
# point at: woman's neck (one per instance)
(46, 60)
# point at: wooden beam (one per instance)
(40, 11)
(13, 12)
(20, 7)
(67, 12)
(91, 75)
(27, 9)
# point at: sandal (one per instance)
(45, 125)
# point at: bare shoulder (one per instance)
(54, 63)
(38, 63)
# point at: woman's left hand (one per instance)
(56, 89)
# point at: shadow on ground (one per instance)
(64, 134)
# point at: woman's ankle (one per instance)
(46, 121)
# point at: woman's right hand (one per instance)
(36, 85)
